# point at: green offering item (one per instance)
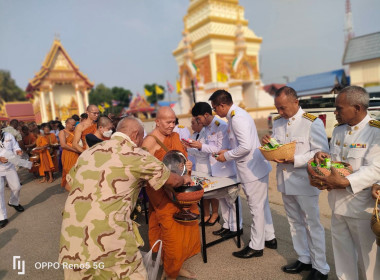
(323, 165)
(273, 144)
(328, 162)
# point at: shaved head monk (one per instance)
(69, 154)
(180, 240)
(85, 127)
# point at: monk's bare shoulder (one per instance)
(150, 144)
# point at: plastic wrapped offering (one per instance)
(17, 160)
(324, 168)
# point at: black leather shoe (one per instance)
(18, 208)
(316, 275)
(220, 231)
(296, 267)
(247, 253)
(3, 223)
(229, 234)
(271, 244)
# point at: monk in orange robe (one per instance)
(46, 164)
(85, 127)
(181, 240)
(69, 154)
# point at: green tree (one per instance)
(155, 97)
(101, 94)
(9, 91)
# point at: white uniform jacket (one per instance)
(9, 143)
(310, 137)
(183, 132)
(242, 133)
(199, 159)
(360, 147)
(216, 139)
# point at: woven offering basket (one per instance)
(375, 221)
(322, 171)
(284, 152)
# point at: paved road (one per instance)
(34, 236)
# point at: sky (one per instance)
(129, 43)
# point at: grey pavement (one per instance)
(34, 236)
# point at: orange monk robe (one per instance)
(68, 158)
(52, 139)
(29, 139)
(91, 129)
(46, 163)
(180, 240)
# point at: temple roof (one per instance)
(362, 48)
(139, 104)
(22, 111)
(57, 59)
(319, 83)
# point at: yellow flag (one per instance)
(106, 105)
(147, 92)
(159, 90)
(101, 109)
(178, 85)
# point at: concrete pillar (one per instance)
(86, 102)
(43, 107)
(52, 103)
(79, 101)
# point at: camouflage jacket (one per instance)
(106, 181)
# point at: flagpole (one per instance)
(193, 89)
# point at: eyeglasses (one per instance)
(95, 113)
(214, 108)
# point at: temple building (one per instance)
(59, 89)
(219, 50)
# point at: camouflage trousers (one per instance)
(118, 272)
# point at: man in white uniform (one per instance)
(300, 198)
(183, 131)
(356, 141)
(199, 160)
(8, 171)
(252, 170)
(215, 140)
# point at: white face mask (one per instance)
(107, 133)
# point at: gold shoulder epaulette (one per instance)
(338, 124)
(309, 117)
(277, 118)
(181, 126)
(374, 123)
(217, 123)
(232, 113)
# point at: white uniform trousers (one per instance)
(354, 242)
(14, 184)
(262, 224)
(228, 209)
(308, 235)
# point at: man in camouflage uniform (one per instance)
(98, 238)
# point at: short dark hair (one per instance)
(75, 117)
(13, 122)
(45, 125)
(201, 108)
(84, 116)
(221, 96)
(288, 91)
